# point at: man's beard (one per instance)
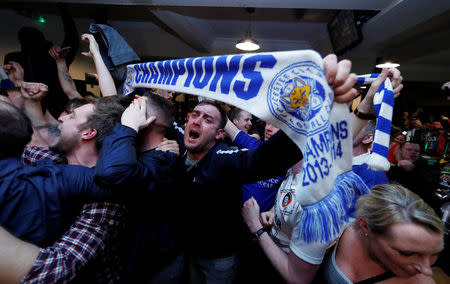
(64, 146)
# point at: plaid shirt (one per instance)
(32, 154)
(86, 239)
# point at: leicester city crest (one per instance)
(297, 94)
(131, 74)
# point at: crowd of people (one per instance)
(112, 189)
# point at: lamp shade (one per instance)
(387, 64)
(248, 43)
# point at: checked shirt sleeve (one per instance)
(85, 238)
(33, 154)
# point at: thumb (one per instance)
(86, 54)
(43, 87)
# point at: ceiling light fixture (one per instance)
(248, 43)
(387, 64)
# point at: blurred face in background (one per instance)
(399, 139)
(244, 122)
(410, 151)
(168, 95)
(270, 130)
(436, 125)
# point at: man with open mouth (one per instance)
(212, 225)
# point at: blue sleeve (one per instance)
(118, 163)
(243, 140)
(78, 182)
(270, 159)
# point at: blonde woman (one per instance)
(395, 238)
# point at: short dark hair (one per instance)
(223, 113)
(161, 108)
(106, 116)
(75, 103)
(15, 130)
(235, 113)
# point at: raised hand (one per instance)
(339, 77)
(15, 72)
(135, 115)
(267, 219)
(250, 213)
(93, 45)
(33, 91)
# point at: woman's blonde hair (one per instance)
(390, 203)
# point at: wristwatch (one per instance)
(258, 234)
(364, 116)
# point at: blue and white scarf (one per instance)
(384, 106)
(287, 89)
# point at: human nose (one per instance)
(196, 119)
(424, 266)
(62, 117)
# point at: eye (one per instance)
(406, 253)
(208, 120)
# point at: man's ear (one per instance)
(235, 121)
(368, 139)
(219, 134)
(89, 134)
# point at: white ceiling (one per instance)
(414, 32)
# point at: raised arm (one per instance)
(231, 130)
(15, 72)
(32, 94)
(366, 106)
(118, 163)
(105, 81)
(66, 81)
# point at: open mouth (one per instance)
(193, 134)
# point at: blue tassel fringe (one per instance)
(321, 221)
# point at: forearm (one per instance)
(34, 112)
(243, 140)
(50, 118)
(105, 80)
(230, 129)
(16, 257)
(117, 162)
(268, 161)
(81, 243)
(366, 106)
(66, 81)
(277, 257)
